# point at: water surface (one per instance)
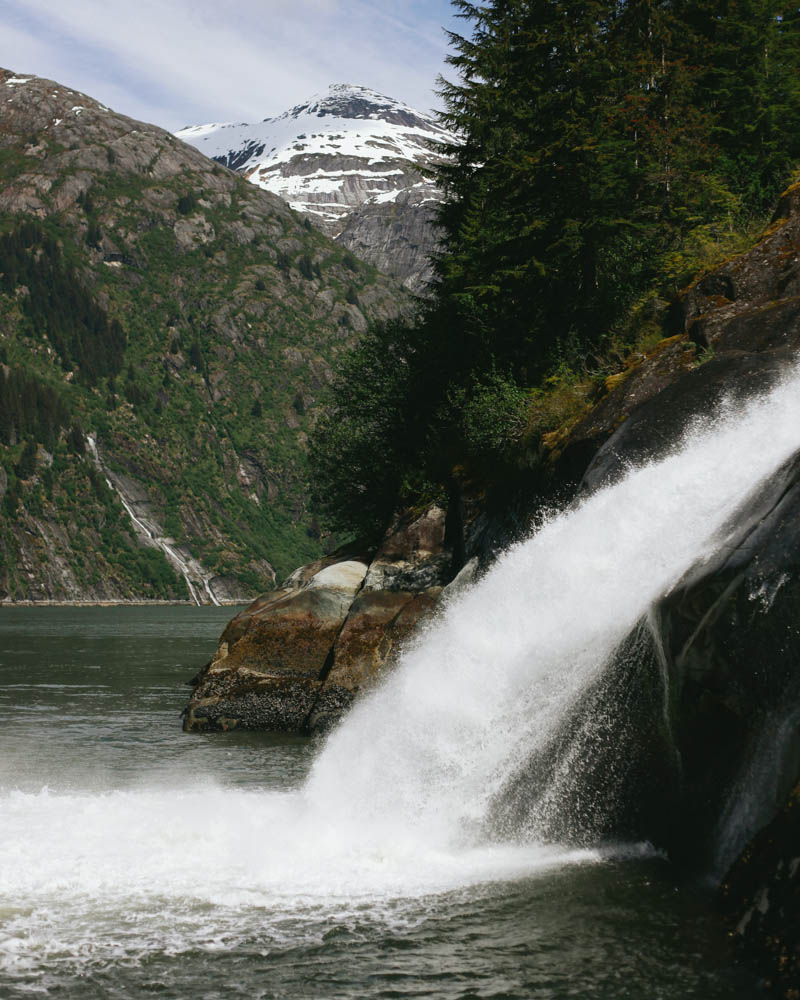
(138, 861)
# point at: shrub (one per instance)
(26, 464)
(493, 415)
(187, 203)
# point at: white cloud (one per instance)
(187, 61)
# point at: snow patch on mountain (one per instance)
(337, 155)
(324, 146)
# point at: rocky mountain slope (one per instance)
(165, 329)
(353, 162)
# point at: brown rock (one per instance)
(296, 658)
(379, 622)
(272, 658)
(412, 555)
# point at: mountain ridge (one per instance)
(355, 162)
(181, 320)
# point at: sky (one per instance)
(186, 62)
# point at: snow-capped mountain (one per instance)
(351, 160)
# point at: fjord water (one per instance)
(136, 860)
(139, 861)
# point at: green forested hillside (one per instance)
(610, 151)
(156, 304)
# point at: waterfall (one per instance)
(193, 573)
(489, 684)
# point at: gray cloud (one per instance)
(189, 61)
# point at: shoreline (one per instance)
(118, 604)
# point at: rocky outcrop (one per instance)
(295, 659)
(397, 236)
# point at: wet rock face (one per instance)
(728, 635)
(295, 659)
(761, 895)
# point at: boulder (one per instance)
(269, 665)
(295, 659)
(378, 622)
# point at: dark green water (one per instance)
(138, 861)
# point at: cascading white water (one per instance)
(397, 799)
(491, 681)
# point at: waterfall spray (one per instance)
(488, 684)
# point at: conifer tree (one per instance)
(748, 54)
(597, 138)
(588, 150)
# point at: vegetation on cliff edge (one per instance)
(610, 150)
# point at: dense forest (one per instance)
(608, 152)
(56, 304)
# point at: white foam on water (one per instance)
(395, 802)
(92, 879)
